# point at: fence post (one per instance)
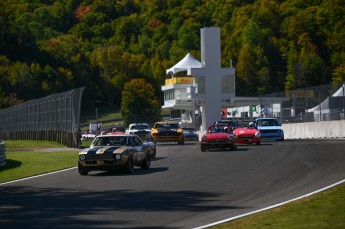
(2, 153)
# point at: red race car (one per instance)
(248, 135)
(218, 137)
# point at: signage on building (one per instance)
(180, 80)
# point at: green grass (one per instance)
(105, 115)
(86, 144)
(26, 158)
(320, 211)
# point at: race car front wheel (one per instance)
(129, 168)
(82, 170)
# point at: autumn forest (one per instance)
(50, 46)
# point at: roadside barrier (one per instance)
(2, 153)
(315, 130)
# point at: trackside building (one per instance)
(196, 93)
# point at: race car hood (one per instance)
(240, 131)
(141, 131)
(190, 134)
(104, 150)
(211, 136)
(164, 130)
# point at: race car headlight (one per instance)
(258, 134)
(82, 157)
(230, 138)
(117, 156)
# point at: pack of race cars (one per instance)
(121, 148)
(226, 134)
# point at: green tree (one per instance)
(252, 34)
(246, 70)
(139, 103)
(294, 69)
(339, 72)
(188, 35)
(264, 81)
(272, 43)
(116, 68)
(65, 49)
(125, 28)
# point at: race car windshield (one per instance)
(111, 141)
(226, 122)
(268, 122)
(121, 141)
(173, 126)
(188, 130)
(167, 126)
(215, 129)
(140, 127)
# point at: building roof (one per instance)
(187, 62)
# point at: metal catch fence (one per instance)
(54, 117)
(312, 104)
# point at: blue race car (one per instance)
(270, 129)
(190, 134)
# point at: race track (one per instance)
(184, 188)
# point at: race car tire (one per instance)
(82, 170)
(232, 147)
(203, 148)
(154, 154)
(147, 162)
(129, 167)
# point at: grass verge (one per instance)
(320, 211)
(28, 158)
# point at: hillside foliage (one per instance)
(50, 46)
(139, 103)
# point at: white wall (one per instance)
(326, 129)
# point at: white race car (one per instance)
(142, 130)
(88, 136)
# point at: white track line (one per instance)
(41, 175)
(270, 207)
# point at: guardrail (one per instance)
(2, 153)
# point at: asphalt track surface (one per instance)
(184, 188)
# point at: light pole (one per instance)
(96, 121)
(343, 115)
